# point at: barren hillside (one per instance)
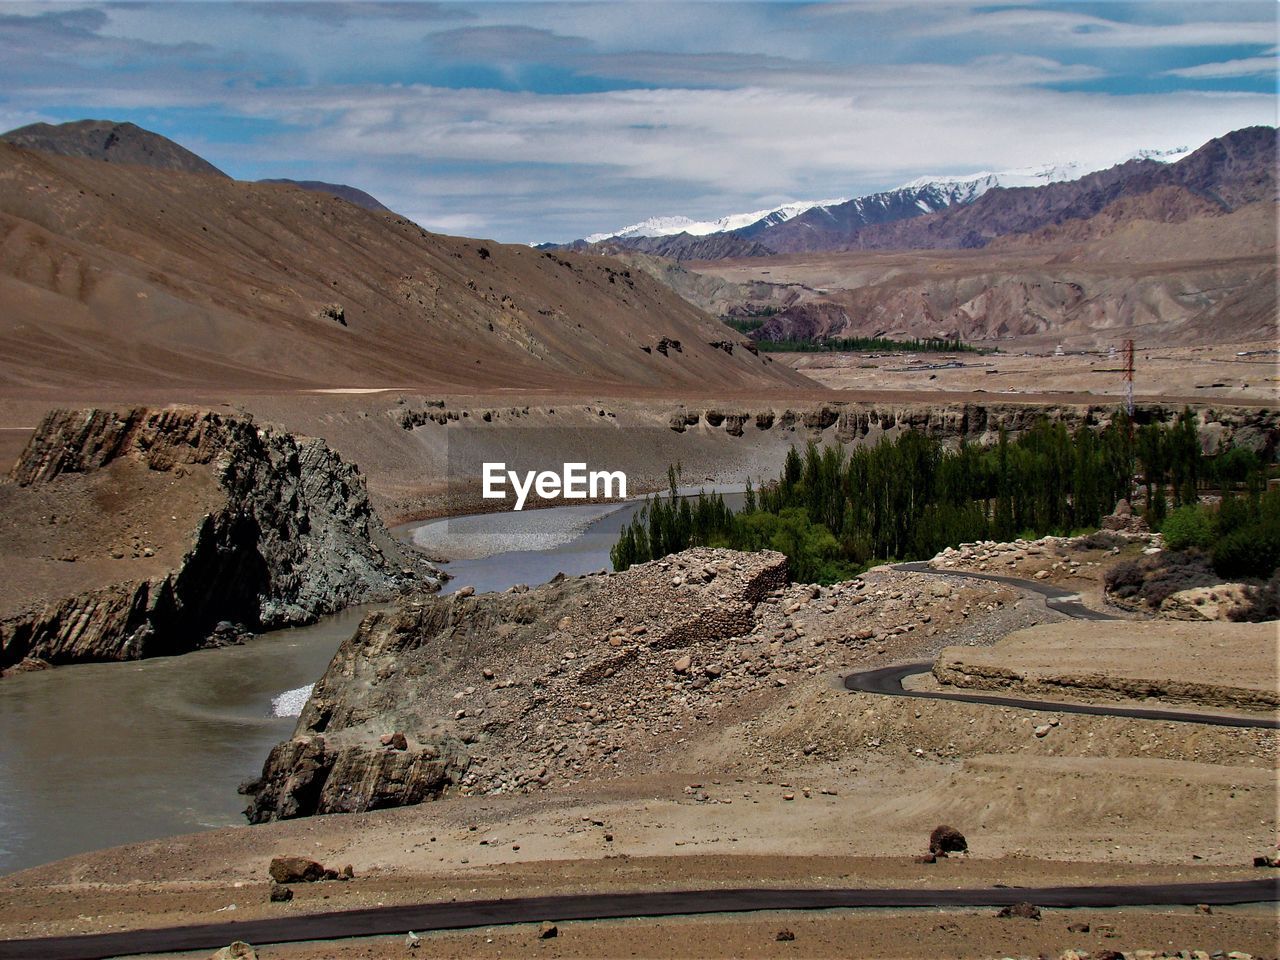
(125, 275)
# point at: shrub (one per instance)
(1249, 551)
(1152, 579)
(1101, 540)
(1124, 579)
(1189, 526)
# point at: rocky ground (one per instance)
(1071, 563)
(594, 677)
(1125, 571)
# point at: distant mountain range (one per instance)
(929, 204)
(1177, 252)
(672, 226)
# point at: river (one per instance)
(96, 755)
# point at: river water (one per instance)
(100, 754)
(497, 550)
(97, 755)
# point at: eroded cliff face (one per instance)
(509, 691)
(293, 538)
(855, 422)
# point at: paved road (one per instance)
(1055, 598)
(888, 680)
(452, 916)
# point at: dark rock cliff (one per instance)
(295, 539)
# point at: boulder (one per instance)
(1123, 519)
(945, 840)
(280, 893)
(236, 951)
(295, 870)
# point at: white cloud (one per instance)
(1244, 67)
(1057, 27)
(744, 104)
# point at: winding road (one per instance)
(1055, 598)
(382, 921)
(887, 681)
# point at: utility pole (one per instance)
(1128, 378)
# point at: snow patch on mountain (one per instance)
(965, 188)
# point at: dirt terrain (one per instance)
(126, 522)
(748, 764)
(122, 275)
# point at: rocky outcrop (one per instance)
(467, 692)
(295, 538)
(1123, 520)
(308, 776)
(1222, 601)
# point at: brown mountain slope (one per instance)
(111, 142)
(1166, 204)
(1245, 233)
(114, 274)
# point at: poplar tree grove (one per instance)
(836, 510)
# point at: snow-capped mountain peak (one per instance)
(965, 188)
(670, 226)
(929, 194)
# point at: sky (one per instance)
(529, 122)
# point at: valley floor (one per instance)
(1208, 373)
